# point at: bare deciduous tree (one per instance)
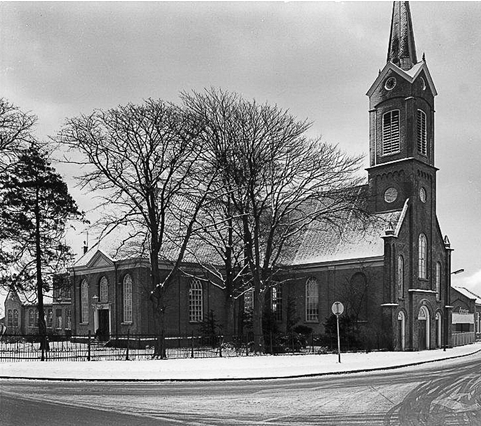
(277, 180)
(148, 161)
(15, 130)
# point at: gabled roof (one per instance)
(409, 75)
(469, 294)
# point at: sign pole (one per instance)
(338, 340)
(337, 309)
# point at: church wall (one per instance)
(358, 286)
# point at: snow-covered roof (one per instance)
(469, 294)
(356, 240)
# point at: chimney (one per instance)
(85, 247)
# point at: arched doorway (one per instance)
(438, 329)
(423, 329)
(401, 318)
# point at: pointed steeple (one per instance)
(401, 50)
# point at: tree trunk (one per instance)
(229, 317)
(42, 326)
(259, 345)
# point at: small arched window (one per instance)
(127, 298)
(104, 290)
(196, 313)
(84, 302)
(438, 281)
(312, 300)
(10, 318)
(400, 277)
(423, 256)
(31, 317)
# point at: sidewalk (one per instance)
(253, 367)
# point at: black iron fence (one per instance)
(138, 347)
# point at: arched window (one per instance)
(423, 256)
(196, 313)
(276, 302)
(84, 302)
(390, 133)
(438, 281)
(356, 302)
(104, 290)
(422, 133)
(68, 319)
(10, 318)
(31, 317)
(312, 300)
(127, 294)
(400, 277)
(249, 300)
(15, 318)
(49, 318)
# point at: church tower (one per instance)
(401, 111)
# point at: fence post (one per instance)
(128, 341)
(88, 345)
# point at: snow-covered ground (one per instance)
(226, 368)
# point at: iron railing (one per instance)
(137, 347)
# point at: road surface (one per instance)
(441, 393)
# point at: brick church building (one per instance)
(393, 278)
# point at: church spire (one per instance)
(401, 50)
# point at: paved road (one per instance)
(442, 393)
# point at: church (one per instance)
(393, 278)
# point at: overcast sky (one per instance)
(59, 60)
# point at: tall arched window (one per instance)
(10, 318)
(104, 290)
(31, 317)
(312, 300)
(84, 302)
(68, 319)
(276, 302)
(196, 313)
(390, 133)
(422, 134)
(423, 256)
(127, 298)
(400, 277)
(15, 318)
(438, 281)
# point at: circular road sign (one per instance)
(337, 308)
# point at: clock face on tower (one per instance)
(390, 195)
(390, 83)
